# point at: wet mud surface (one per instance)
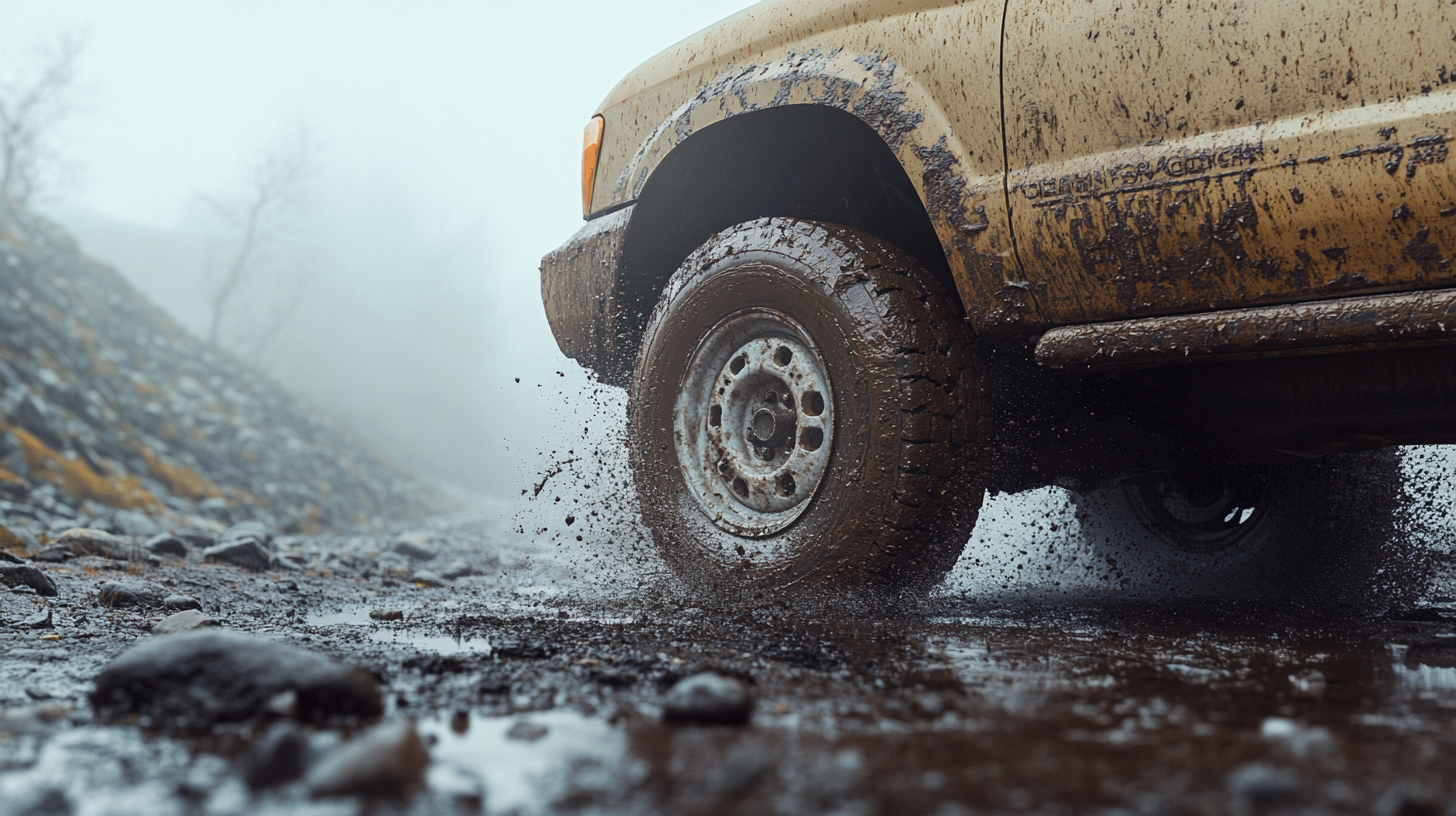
(535, 685)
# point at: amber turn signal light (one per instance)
(591, 148)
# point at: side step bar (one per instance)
(1400, 320)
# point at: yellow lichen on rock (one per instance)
(79, 481)
(179, 479)
(10, 541)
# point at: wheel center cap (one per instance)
(769, 429)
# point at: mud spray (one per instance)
(1372, 544)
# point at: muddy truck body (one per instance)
(859, 262)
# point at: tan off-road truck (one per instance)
(858, 262)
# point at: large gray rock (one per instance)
(196, 679)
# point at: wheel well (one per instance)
(798, 161)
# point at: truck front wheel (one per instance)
(807, 410)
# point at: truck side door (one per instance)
(1169, 157)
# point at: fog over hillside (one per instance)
(448, 140)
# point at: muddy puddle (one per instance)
(537, 679)
(1088, 704)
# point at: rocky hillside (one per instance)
(112, 413)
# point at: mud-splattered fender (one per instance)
(964, 198)
(578, 288)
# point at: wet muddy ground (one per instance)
(538, 686)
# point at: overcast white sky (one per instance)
(451, 117)
(474, 109)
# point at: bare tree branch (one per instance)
(278, 184)
(31, 109)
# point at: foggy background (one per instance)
(443, 143)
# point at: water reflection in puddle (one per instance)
(357, 615)
(439, 644)
(1424, 668)
(525, 762)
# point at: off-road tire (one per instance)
(903, 484)
(1328, 532)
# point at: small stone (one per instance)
(129, 592)
(90, 541)
(386, 614)
(429, 579)
(199, 678)
(387, 761)
(280, 757)
(1262, 783)
(246, 553)
(37, 693)
(415, 546)
(179, 602)
(53, 555)
(458, 569)
(24, 575)
(708, 698)
(165, 544)
(184, 621)
(41, 620)
(7, 557)
(526, 731)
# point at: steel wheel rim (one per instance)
(753, 422)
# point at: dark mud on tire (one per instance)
(899, 497)
(1333, 533)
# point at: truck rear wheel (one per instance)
(1323, 527)
(807, 410)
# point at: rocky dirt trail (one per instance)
(465, 667)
